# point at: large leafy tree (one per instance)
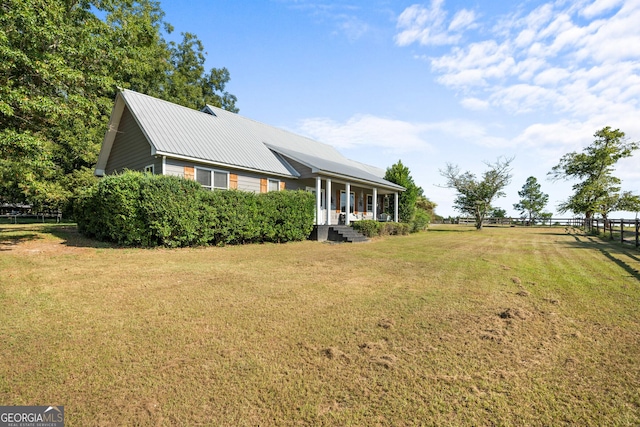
(189, 85)
(400, 174)
(60, 66)
(476, 195)
(597, 190)
(532, 201)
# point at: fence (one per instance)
(570, 222)
(626, 230)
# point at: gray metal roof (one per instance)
(217, 135)
(325, 166)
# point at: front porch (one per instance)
(333, 207)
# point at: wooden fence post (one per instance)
(622, 231)
(637, 231)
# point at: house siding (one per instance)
(131, 150)
(245, 181)
(304, 171)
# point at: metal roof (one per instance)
(325, 166)
(217, 135)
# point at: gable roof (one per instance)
(218, 136)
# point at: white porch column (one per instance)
(395, 207)
(375, 204)
(318, 204)
(328, 201)
(347, 202)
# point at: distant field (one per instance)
(507, 326)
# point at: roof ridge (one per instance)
(277, 128)
(156, 99)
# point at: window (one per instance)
(343, 201)
(274, 185)
(207, 177)
(149, 169)
(369, 203)
(323, 199)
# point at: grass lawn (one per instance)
(507, 326)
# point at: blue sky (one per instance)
(434, 82)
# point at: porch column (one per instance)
(318, 204)
(347, 202)
(328, 201)
(395, 207)
(375, 204)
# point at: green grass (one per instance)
(507, 326)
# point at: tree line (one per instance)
(61, 64)
(596, 190)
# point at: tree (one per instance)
(399, 174)
(189, 85)
(498, 213)
(60, 67)
(598, 191)
(532, 200)
(475, 196)
(628, 202)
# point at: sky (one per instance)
(462, 82)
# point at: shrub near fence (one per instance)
(135, 209)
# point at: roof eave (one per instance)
(224, 165)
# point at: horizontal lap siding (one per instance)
(245, 181)
(131, 150)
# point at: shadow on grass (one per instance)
(8, 241)
(14, 234)
(610, 250)
(461, 229)
(70, 236)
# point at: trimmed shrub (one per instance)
(111, 211)
(395, 229)
(286, 215)
(171, 211)
(238, 219)
(135, 209)
(367, 227)
(420, 221)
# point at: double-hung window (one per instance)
(274, 185)
(212, 179)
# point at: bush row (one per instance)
(135, 209)
(371, 228)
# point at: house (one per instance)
(223, 150)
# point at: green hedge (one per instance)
(367, 227)
(135, 209)
(371, 228)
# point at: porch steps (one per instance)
(344, 233)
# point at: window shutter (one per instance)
(338, 201)
(189, 172)
(233, 181)
(282, 185)
(263, 185)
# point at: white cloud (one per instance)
(549, 60)
(598, 7)
(368, 131)
(396, 136)
(475, 104)
(427, 25)
(353, 27)
(462, 20)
